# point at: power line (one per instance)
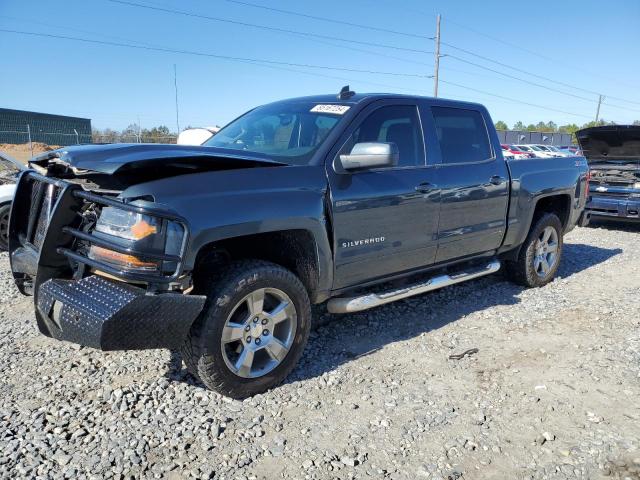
(533, 52)
(309, 34)
(331, 20)
(529, 73)
(519, 47)
(513, 99)
(280, 65)
(591, 100)
(266, 27)
(211, 55)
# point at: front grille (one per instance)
(42, 200)
(611, 194)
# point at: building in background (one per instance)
(19, 126)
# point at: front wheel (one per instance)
(540, 254)
(252, 330)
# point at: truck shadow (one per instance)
(369, 331)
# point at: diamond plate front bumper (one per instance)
(111, 315)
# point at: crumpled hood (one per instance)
(619, 144)
(113, 159)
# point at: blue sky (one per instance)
(584, 44)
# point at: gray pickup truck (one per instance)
(613, 153)
(219, 250)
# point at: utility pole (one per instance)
(175, 84)
(600, 98)
(437, 59)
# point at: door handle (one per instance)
(497, 180)
(425, 187)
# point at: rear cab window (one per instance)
(462, 135)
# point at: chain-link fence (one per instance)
(524, 137)
(22, 144)
(63, 139)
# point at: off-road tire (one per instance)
(522, 270)
(202, 350)
(5, 210)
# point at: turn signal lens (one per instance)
(120, 259)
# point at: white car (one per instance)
(555, 151)
(537, 151)
(196, 136)
(9, 169)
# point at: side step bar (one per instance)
(371, 300)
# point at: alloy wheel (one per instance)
(259, 332)
(546, 252)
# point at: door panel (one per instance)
(382, 224)
(384, 221)
(473, 209)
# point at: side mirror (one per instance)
(370, 155)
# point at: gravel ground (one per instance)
(551, 393)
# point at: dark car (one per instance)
(220, 250)
(613, 153)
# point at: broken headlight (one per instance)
(140, 232)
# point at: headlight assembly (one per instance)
(143, 233)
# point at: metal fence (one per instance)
(64, 139)
(59, 139)
(523, 137)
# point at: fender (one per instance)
(222, 205)
(530, 185)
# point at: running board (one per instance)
(364, 302)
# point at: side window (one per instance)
(462, 135)
(398, 124)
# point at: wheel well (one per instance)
(558, 204)
(294, 250)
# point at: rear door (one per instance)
(384, 220)
(474, 183)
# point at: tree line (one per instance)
(552, 127)
(161, 134)
(133, 134)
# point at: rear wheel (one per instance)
(5, 210)
(540, 254)
(252, 330)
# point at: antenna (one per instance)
(345, 93)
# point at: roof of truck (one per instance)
(359, 97)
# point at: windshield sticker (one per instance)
(335, 109)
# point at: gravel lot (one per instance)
(553, 391)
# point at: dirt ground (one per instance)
(22, 151)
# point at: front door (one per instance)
(385, 220)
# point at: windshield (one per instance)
(533, 147)
(288, 132)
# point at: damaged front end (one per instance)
(115, 286)
(613, 153)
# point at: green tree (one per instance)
(519, 126)
(500, 125)
(569, 128)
